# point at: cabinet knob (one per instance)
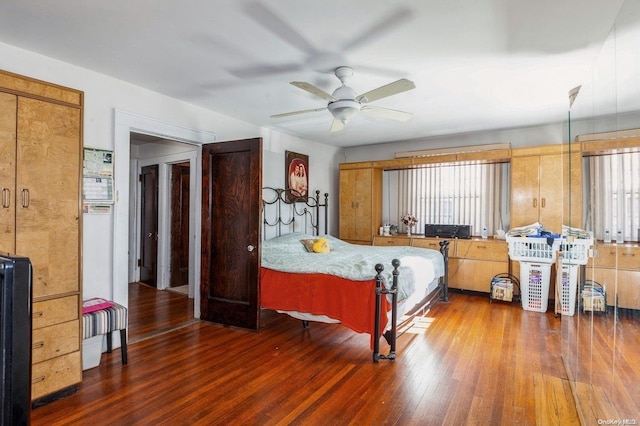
(250, 248)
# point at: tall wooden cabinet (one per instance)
(40, 165)
(360, 202)
(546, 186)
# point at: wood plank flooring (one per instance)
(153, 312)
(474, 363)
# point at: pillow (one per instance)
(308, 244)
(318, 245)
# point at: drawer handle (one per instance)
(38, 314)
(628, 254)
(38, 380)
(37, 345)
(482, 247)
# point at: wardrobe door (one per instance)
(48, 182)
(8, 104)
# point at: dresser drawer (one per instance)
(54, 311)
(55, 374)
(391, 241)
(612, 256)
(482, 250)
(53, 341)
(430, 243)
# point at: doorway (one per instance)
(126, 123)
(179, 251)
(160, 290)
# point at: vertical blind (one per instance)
(468, 194)
(614, 204)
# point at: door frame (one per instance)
(124, 124)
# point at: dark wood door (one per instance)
(149, 225)
(231, 203)
(179, 225)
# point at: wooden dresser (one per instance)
(40, 168)
(472, 263)
(617, 268)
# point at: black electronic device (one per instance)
(15, 340)
(447, 231)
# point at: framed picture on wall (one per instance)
(296, 169)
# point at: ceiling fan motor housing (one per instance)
(346, 106)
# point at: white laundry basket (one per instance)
(536, 256)
(574, 253)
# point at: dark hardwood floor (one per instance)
(473, 363)
(153, 312)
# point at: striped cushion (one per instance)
(104, 321)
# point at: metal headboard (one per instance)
(301, 214)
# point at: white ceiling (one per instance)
(477, 64)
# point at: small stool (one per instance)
(106, 321)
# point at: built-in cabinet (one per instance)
(617, 268)
(546, 187)
(40, 164)
(360, 202)
(472, 263)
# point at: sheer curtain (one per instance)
(614, 185)
(465, 194)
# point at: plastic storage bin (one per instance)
(536, 256)
(534, 285)
(91, 351)
(574, 253)
(533, 249)
(567, 283)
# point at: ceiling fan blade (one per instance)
(272, 22)
(386, 24)
(337, 125)
(390, 89)
(304, 111)
(313, 90)
(386, 113)
(259, 71)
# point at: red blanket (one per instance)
(350, 302)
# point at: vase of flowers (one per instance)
(409, 220)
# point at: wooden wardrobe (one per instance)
(40, 169)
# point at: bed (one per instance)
(374, 290)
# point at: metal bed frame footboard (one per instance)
(441, 293)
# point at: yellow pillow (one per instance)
(321, 246)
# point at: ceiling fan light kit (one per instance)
(344, 103)
(344, 109)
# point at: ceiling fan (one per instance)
(344, 103)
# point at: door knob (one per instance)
(250, 248)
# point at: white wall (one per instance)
(324, 163)
(103, 95)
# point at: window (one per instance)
(460, 194)
(613, 195)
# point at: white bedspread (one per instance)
(418, 266)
